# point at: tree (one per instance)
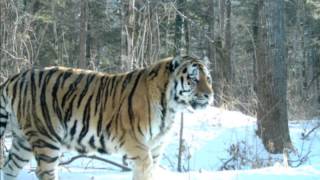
(223, 67)
(177, 51)
(272, 78)
(83, 33)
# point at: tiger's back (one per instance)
(89, 112)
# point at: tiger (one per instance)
(58, 108)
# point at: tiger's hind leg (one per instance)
(47, 158)
(3, 124)
(19, 155)
(142, 158)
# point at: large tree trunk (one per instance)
(223, 66)
(272, 78)
(178, 29)
(177, 51)
(83, 33)
(227, 66)
(211, 23)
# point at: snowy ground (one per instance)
(218, 145)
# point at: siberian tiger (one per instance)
(56, 108)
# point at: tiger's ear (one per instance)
(176, 61)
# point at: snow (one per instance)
(218, 144)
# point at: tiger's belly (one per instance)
(91, 143)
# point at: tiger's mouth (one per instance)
(199, 104)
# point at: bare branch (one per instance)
(124, 168)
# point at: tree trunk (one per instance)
(178, 29)
(222, 6)
(181, 26)
(179, 168)
(124, 53)
(227, 66)
(83, 33)
(272, 78)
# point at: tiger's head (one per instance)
(192, 82)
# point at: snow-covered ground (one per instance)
(218, 144)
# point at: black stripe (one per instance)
(33, 90)
(85, 90)
(71, 89)
(3, 124)
(25, 98)
(39, 125)
(68, 113)
(130, 109)
(13, 78)
(14, 92)
(49, 173)
(182, 83)
(103, 145)
(24, 147)
(73, 129)
(99, 122)
(46, 158)
(163, 111)
(91, 142)
(43, 144)
(66, 75)
(23, 75)
(108, 127)
(31, 133)
(112, 84)
(106, 94)
(85, 120)
(154, 72)
(55, 103)
(19, 158)
(20, 107)
(115, 91)
(163, 103)
(139, 129)
(126, 80)
(100, 90)
(44, 107)
(10, 166)
(102, 104)
(149, 116)
(40, 75)
(5, 116)
(15, 146)
(8, 174)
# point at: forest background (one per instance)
(234, 36)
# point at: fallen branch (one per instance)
(124, 168)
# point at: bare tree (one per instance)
(83, 33)
(272, 78)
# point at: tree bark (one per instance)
(272, 78)
(227, 66)
(178, 29)
(83, 33)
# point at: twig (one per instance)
(306, 135)
(124, 168)
(225, 164)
